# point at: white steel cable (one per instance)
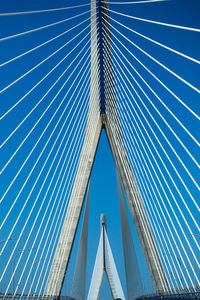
(82, 76)
(120, 97)
(155, 60)
(79, 109)
(142, 219)
(43, 77)
(168, 143)
(92, 121)
(160, 100)
(131, 262)
(167, 156)
(137, 105)
(134, 2)
(59, 221)
(168, 187)
(45, 43)
(117, 93)
(160, 274)
(34, 165)
(32, 171)
(155, 94)
(54, 239)
(68, 181)
(67, 229)
(42, 10)
(48, 156)
(143, 189)
(139, 153)
(38, 194)
(141, 183)
(155, 22)
(95, 121)
(170, 91)
(36, 66)
(166, 245)
(186, 169)
(40, 28)
(139, 206)
(79, 278)
(48, 105)
(71, 160)
(38, 84)
(57, 231)
(27, 239)
(155, 42)
(13, 275)
(43, 148)
(159, 183)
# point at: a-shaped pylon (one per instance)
(105, 262)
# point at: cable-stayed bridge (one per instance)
(74, 75)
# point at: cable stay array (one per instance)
(44, 155)
(168, 184)
(42, 10)
(51, 90)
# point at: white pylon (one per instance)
(105, 262)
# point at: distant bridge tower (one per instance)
(105, 262)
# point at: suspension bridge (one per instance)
(113, 86)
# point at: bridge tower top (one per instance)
(103, 220)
